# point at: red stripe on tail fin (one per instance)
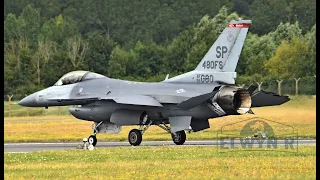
(238, 26)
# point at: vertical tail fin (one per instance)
(224, 54)
(220, 62)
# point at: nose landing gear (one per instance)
(92, 139)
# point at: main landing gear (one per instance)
(178, 137)
(135, 135)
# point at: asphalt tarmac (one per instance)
(31, 147)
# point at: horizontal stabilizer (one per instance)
(262, 98)
(194, 101)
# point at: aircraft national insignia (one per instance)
(230, 36)
(180, 90)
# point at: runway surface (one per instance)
(30, 147)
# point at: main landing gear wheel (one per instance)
(135, 137)
(179, 137)
(92, 140)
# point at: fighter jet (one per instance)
(177, 104)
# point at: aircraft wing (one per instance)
(262, 98)
(141, 100)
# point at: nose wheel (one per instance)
(92, 140)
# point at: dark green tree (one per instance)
(99, 51)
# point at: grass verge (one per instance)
(161, 162)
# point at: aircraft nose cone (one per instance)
(29, 101)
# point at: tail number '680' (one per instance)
(205, 78)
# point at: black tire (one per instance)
(92, 140)
(135, 137)
(179, 138)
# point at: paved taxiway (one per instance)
(30, 147)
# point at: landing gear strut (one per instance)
(93, 139)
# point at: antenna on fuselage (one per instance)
(167, 77)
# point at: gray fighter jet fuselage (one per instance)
(87, 93)
(186, 102)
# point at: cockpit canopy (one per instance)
(77, 76)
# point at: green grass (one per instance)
(161, 163)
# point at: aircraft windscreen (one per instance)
(76, 76)
(91, 75)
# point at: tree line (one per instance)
(145, 40)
